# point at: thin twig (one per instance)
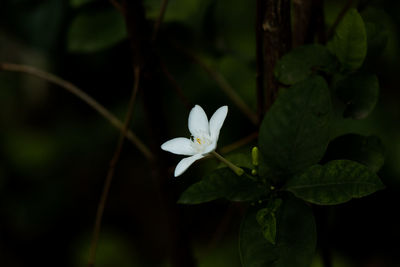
(117, 6)
(340, 17)
(239, 143)
(160, 18)
(176, 86)
(111, 170)
(83, 96)
(222, 82)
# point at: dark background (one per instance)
(55, 150)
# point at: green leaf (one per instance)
(78, 3)
(240, 159)
(96, 31)
(377, 32)
(303, 61)
(267, 220)
(39, 24)
(295, 238)
(367, 150)
(377, 39)
(350, 40)
(336, 182)
(295, 132)
(235, 40)
(360, 92)
(183, 11)
(223, 183)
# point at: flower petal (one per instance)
(216, 122)
(198, 122)
(180, 146)
(210, 148)
(185, 163)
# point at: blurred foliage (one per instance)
(296, 236)
(97, 31)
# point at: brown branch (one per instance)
(308, 16)
(81, 95)
(276, 42)
(160, 18)
(339, 18)
(111, 170)
(302, 12)
(222, 82)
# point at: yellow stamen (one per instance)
(198, 140)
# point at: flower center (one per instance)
(200, 142)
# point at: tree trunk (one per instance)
(273, 31)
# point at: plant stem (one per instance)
(233, 167)
(111, 170)
(84, 97)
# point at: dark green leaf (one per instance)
(377, 39)
(240, 159)
(367, 150)
(295, 132)
(96, 31)
(78, 3)
(360, 93)
(350, 40)
(295, 238)
(222, 183)
(178, 10)
(40, 23)
(235, 40)
(336, 182)
(267, 221)
(377, 33)
(266, 218)
(301, 62)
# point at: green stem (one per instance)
(233, 167)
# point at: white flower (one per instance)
(204, 137)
